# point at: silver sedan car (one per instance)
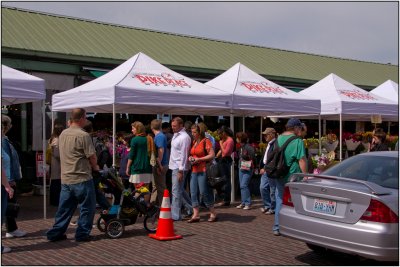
(353, 207)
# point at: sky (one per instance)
(366, 31)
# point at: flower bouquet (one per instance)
(351, 144)
(330, 142)
(352, 140)
(322, 162)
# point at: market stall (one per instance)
(349, 102)
(19, 87)
(254, 95)
(141, 85)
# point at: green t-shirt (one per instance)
(293, 153)
(139, 156)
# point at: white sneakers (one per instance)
(16, 233)
(242, 206)
(5, 250)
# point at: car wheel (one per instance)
(115, 228)
(317, 249)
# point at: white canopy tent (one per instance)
(253, 95)
(141, 85)
(18, 87)
(388, 90)
(339, 97)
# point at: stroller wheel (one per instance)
(150, 221)
(115, 228)
(101, 224)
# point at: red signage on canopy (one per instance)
(356, 94)
(262, 88)
(165, 79)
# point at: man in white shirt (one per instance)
(267, 193)
(179, 164)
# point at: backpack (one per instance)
(276, 167)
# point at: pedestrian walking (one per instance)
(160, 170)
(138, 167)
(266, 191)
(13, 173)
(78, 159)
(55, 166)
(179, 164)
(224, 158)
(295, 159)
(201, 152)
(246, 169)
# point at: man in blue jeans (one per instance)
(295, 159)
(267, 192)
(179, 164)
(78, 159)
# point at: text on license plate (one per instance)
(324, 206)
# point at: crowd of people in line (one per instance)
(156, 159)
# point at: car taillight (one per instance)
(287, 198)
(379, 212)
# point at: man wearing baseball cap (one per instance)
(267, 193)
(295, 159)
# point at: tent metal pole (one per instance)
(232, 126)
(114, 137)
(44, 157)
(244, 123)
(340, 136)
(261, 128)
(319, 134)
(388, 128)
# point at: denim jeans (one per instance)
(244, 179)
(267, 194)
(225, 191)
(179, 196)
(279, 185)
(198, 182)
(4, 198)
(72, 195)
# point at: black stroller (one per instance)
(126, 209)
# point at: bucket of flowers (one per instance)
(352, 140)
(330, 142)
(322, 162)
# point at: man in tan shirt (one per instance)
(78, 158)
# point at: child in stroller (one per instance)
(127, 207)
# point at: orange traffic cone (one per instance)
(165, 228)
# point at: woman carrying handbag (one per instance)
(246, 168)
(200, 153)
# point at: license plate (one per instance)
(324, 206)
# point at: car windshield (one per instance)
(381, 170)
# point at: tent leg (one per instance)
(44, 157)
(232, 125)
(319, 134)
(340, 136)
(261, 128)
(114, 138)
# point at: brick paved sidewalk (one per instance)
(240, 237)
